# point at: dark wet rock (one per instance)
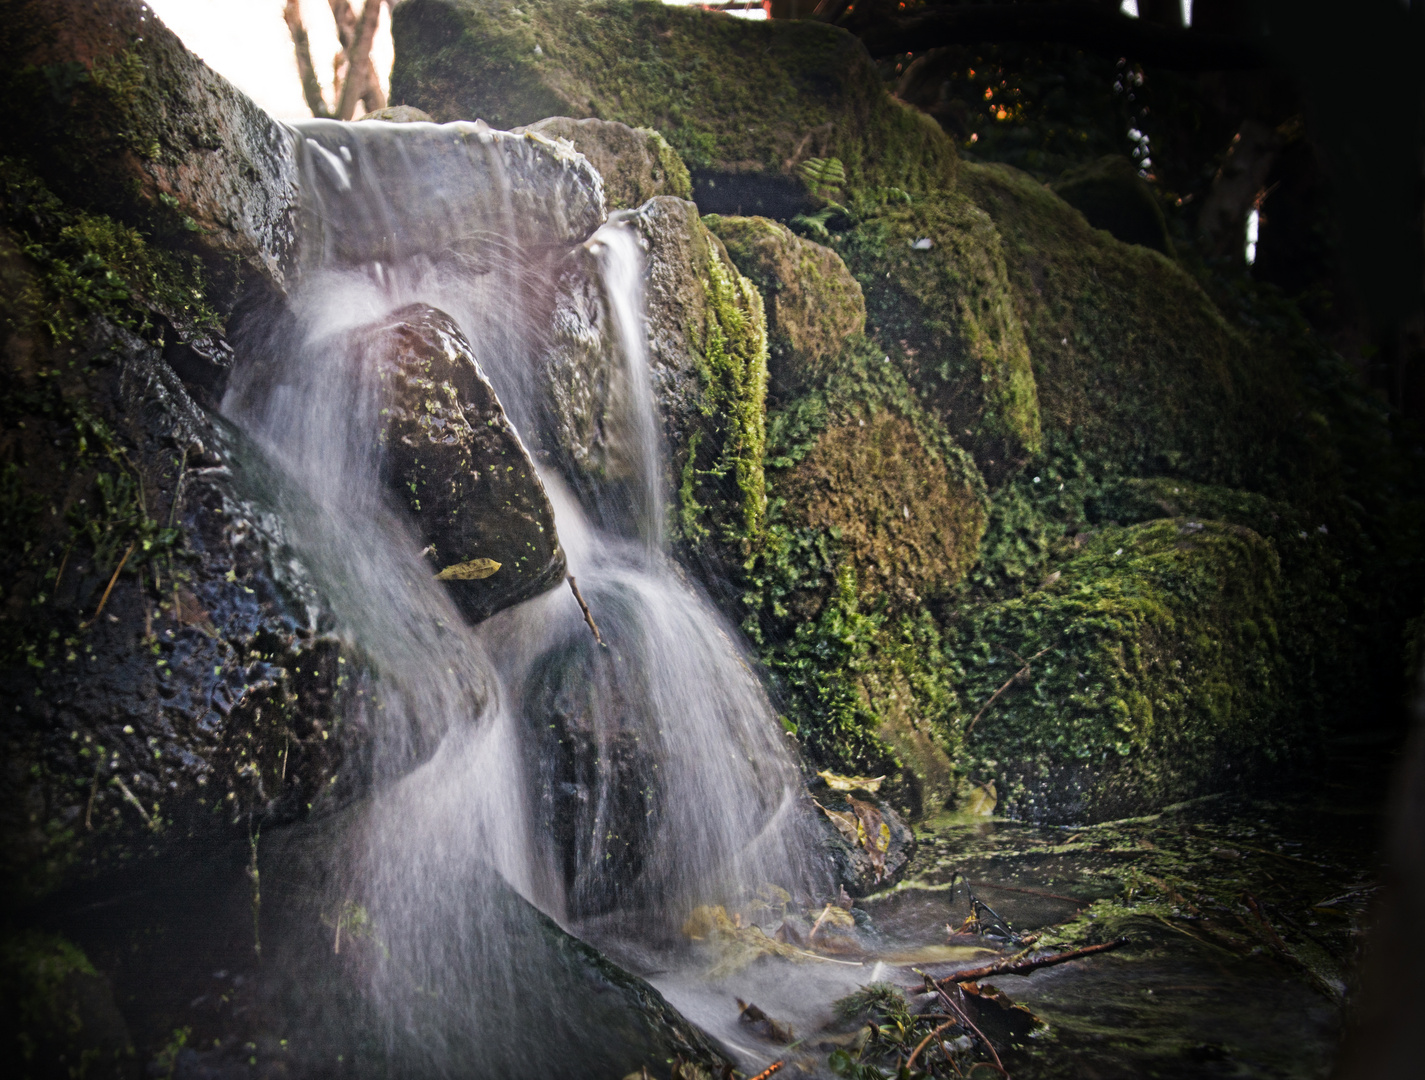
(767, 95)
(813, 303)
(1112, 196)
(166, 661)
(597, 768)
(849, 850)
(636, 163)
(121, 118)
(451, 456)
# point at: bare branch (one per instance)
(361, 83)
(311, 85)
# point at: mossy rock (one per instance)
(731, 96)
(907, 525)
(1155, 672)
(57, 1013)
(121, 119)
(636, 163)
(813, 303)
(1113, 197)
(939, 299)
(1132, 360)
(400, 114)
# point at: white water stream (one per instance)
(614, 786)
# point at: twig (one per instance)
(93, 790)
(105, 598)
(819, 920)
(1023, 967)
(769, 1070)
(62, 564)
(910, 1061)
(965, 1019)
(1021, 673)
(1030, 892)
(588, 618)
(131, 797)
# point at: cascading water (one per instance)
(611, 784)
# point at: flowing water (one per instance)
(666, 783)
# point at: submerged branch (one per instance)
(1024, 967)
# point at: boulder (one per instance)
(707, 356)
(1146, 669)
(939, 300)
(864, 839)
(452, 458)
(1132, 360)
(121, 119)
(636, 163)
(744, 103)
(168, 659)
(400, 114)
(813, 303)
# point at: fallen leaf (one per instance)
(473, 570)
(851, 783)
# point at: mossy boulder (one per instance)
(400, 114)
(1146, 668)
(636, 163)
(451, 457)
(813, 303)
(1132, 361)
(908, 526)
(120, 118)
(733, 97)
(1112, 196)
(939, 300)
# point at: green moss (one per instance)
(1155, 667)
(1131, 358)
(728, 94)
(948, 317)
(89, 264)
(60, 1013)
(732, 364)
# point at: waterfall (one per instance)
(612, 785)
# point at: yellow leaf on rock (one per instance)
(468, 571)
(851, 783)
(982, 800)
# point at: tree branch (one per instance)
(361, 83)
(1089, 26)
(311, 85)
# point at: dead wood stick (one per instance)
(1030, 892)
(910, 1061)
(965, 1019)
(1008, 683)
(1023, 967)
(110, 588)
(588, 618)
